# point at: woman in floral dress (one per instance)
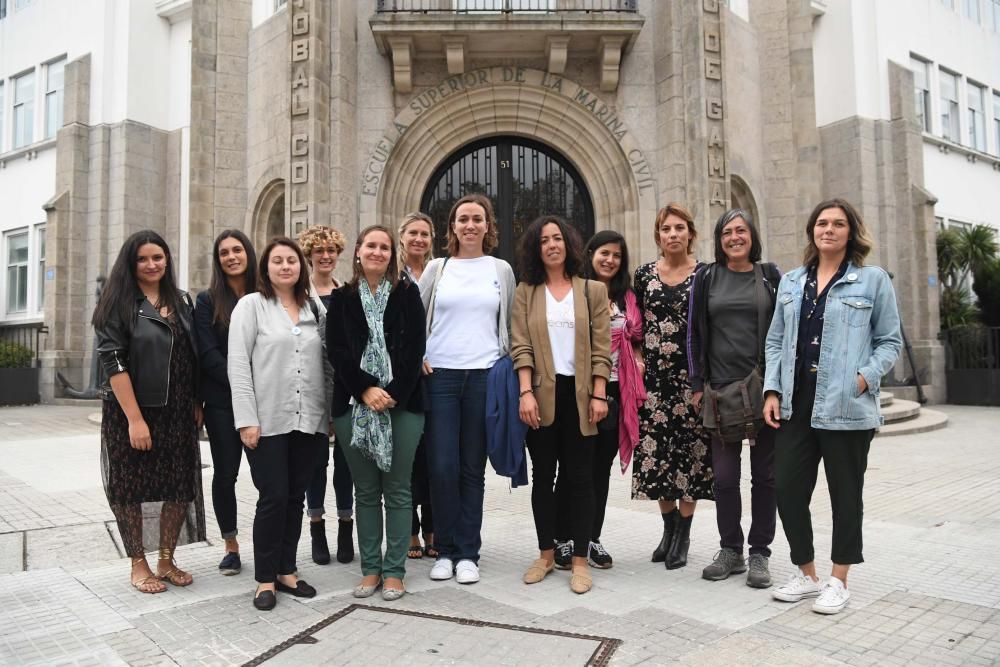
(672, 463)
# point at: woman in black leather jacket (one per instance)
(150, 417)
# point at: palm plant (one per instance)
(962, 252)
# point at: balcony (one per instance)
(460, 30)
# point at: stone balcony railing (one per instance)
(460, 30)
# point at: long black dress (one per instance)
(163, 483)
(673, 459)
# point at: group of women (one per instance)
(400, 362)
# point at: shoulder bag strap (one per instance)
(762, 298)
(434, 287)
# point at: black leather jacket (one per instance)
(143, 350)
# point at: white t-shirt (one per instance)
(466, 312)
(617, 322)
(561, 318)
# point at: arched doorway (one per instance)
(269, 214)
(523, 178)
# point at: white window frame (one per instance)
(996, 122)
(40, 250)
(950, 4)
(949, 112)
(54, 97)
(3, 8)
(21, 4)
(28, 111)
(7, 266)
(972, 11)
(279, 4)
(994, 10)
(922, 95)
(3, 114)
(977, 116)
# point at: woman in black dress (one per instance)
(149, 443)
(672, 463)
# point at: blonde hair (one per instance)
(320, 235)
(409, 219)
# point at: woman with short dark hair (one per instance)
(561, 347)
(726, 332)
(834, 334)
(149, 443)
(278, 374)
(234, 275)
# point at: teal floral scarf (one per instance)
(372, 431)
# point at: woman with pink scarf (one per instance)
(618, 433)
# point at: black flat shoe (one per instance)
(301, 590)
(265, 600)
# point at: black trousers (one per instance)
(420, 491)
(227, 451)
(729, 504)
(798, 449)
(562, 446)
(281, 467)
(605, 450)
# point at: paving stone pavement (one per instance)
(929, 592)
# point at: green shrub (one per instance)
(14, 355)
(986, 285)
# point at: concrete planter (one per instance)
(18, 386)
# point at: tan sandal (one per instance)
(538, 571)
(174, 575)
(580, 582)
(150, 585)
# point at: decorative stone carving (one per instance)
(556, 50)
(402, 63)
(609, 51)
(454, 53)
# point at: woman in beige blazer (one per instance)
(561, 346)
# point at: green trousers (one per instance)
(371, 485)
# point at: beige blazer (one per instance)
(530, 345)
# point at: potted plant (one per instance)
(18, 375)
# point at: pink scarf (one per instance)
(630, 383)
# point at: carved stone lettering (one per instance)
(715, 137)
(300, 145)
(713, 68)
(713, 42)
(299, 105)
(300, 172)
(300, 50)
(300, 24)
(298, 205)
(300, 79)
(711, 6)
(714, 108)
(716, 164)
(718, 196)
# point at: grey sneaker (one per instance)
(726, 562)
(758, 576)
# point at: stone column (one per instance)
(308, 199)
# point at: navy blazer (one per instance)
(213, 353)
(347, 336)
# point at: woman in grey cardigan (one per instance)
(468, 299)
(278, 371)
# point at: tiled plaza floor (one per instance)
(929, 592)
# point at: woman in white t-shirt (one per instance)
(468, 298)
(561, 346)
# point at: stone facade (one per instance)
(330, 113)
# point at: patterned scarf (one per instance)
(372, 431)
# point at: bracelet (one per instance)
(599, 398)
(525, 391)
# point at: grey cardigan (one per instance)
(505, 276)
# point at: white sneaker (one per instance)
(466, 572)
(442, 570)
(799, 586)
(833, 598)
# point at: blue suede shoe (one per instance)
(231, 564)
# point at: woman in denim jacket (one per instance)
(834, 334)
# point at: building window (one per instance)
(977, 117)
(949, 106)
(17, 272)
(994, 7)
(40, 288)
(21, 4)
(3, 109)
(278, 4)
(972, 10)
(922, 92)
(24, 109)
(950, 4)
(3, 8)
(996, 123)
(54, 97)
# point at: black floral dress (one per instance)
(673, 459)
(164, 483)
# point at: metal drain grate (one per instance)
(398, 630)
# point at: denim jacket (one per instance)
(860, 335)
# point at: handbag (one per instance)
(735, 412)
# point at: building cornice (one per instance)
(173, 10)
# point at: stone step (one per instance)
(899, 410)
(927, 420)
(80, 402)
(885, 398)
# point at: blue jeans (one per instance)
(456, 459)
(343, 486)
